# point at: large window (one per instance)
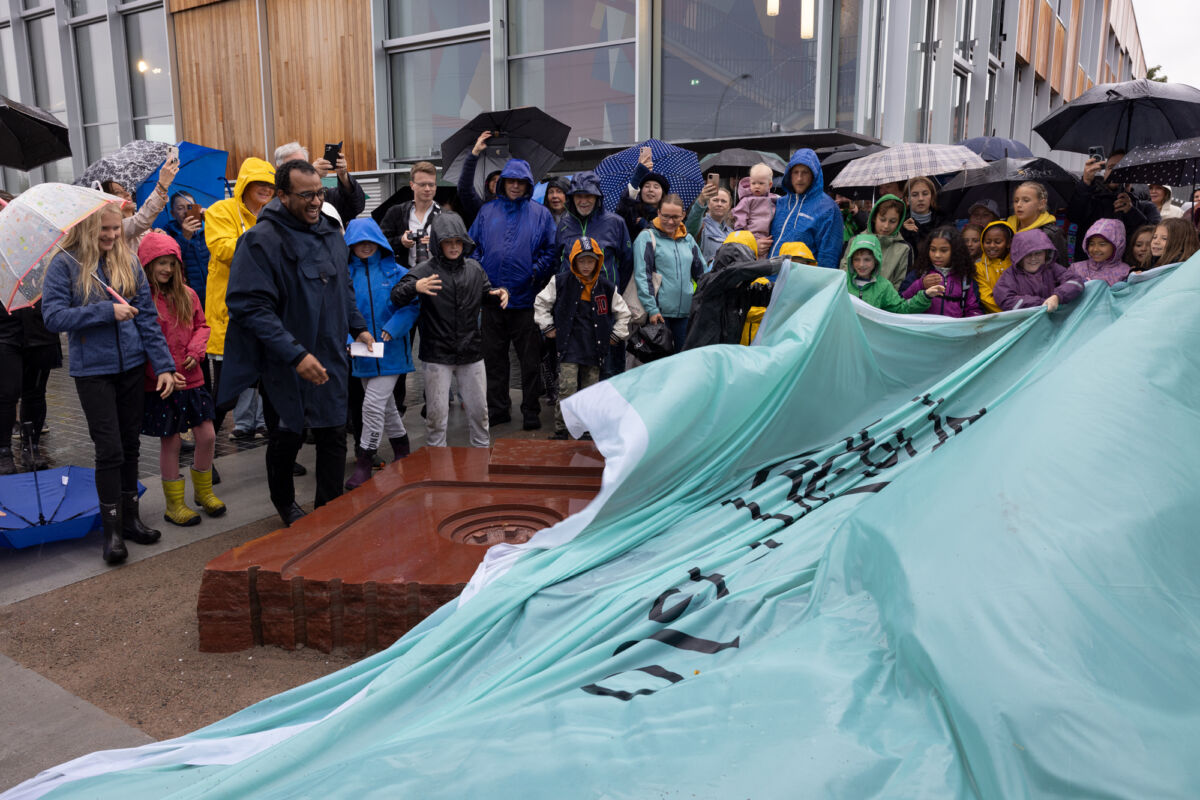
(575, 60)
(14, 180)
(920, 70)
(415, 17)
(850, 24)
(728, 68)
(97, 90)
(435, 91)
(150, 76)
(46, 58)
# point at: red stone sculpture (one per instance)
(361, 571)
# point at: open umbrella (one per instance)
(444, 194)
(835, 159)
(738, 161)
(1124, 115)
(997, 181)
(128, 166)
(30, 226)
(679, 166)
(527, 133)
(906, 161)
(994, 148)
(1170, 164)
(30, 137)
(201, 174)
(48, 506)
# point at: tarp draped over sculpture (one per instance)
(870, 556)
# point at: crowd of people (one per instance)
(285, 305)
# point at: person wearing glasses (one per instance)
(406, 225)
(290, 310)
(666, 264)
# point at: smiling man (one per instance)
(290, 308)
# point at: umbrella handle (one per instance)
(116, 296)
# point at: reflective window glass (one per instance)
(435, 92)
(155, 129)
(728, 68)
(81, 7)
(46, 57)
(590, 90)
(8, 65)
(97, 84)
(149, 63)
(849, 26)
(101, 139)
(536, 25)
(411, 17)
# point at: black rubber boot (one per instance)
(131, 524)
(7, 465)
(362, 468)
(114, 542)
(291, 514)
(31, 456)
(400, 446)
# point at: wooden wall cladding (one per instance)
(1026, 22)
(1056, 57)
(220, 84)
(1045, 39)
(321, 74)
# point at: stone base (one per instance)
(363, 570)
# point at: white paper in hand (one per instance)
(359, 349)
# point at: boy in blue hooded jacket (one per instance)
(805, 213)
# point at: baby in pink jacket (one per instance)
(756, 208)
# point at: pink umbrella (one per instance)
(31, 226)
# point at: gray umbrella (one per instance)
(129, 166)
(1124, 115)
(1170, 164)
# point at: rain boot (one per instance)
(31, 456)
(202, 493)
(114, 543)
(177, 511)
(362, 468)
(131, 524)
(400, 446)
(7, 465)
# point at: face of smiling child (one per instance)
(162, 269)
(1141, 246)
(364, 250)
(1099, 249)
(1158, 244)
(1033, 262)
(864, 263)
(995, 244)
(971, 240)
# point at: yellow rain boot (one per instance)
(177, 511)
(202, 493)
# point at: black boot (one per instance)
(7, 465)
(114, 542)
(400, 446)
(131, 525)
(216, 476)
(291, 514)
(31, 456)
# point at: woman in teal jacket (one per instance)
(668, 251)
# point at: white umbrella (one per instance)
(906, 161)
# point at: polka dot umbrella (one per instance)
(1170, 164)
(679, 166)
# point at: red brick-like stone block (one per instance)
(361, 571)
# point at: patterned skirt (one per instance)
(181, 411)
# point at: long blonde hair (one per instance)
(83, 243)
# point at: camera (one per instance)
(416, 236)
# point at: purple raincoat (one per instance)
(1111, 271)
(1017, 288)
(960, 300)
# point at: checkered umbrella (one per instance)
(1170, 164)
(906, 161)
(679, 166)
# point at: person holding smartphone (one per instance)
(346, 196)
(186, 227)
(1100, 199)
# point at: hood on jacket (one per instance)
(875, 210)
(745, 238)
(658, 178)
(252, 169)
(804, 157)
(448, 225)
(732, 253)
(798, 251)
(1030, 241)
(1045, 218)
(366, 229)
(1001, 224)
(589, 246)
(561, 182)
(870, 243)
(1113, 232)
(516, 169)
(155, 245)
(585, 182)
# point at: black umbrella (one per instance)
(735, 161)
(1170, 164)
(998, 180)
(1124, 115)
(994, 148)
(835, 159)
(527, 133)
(30, 137)
(444, 195)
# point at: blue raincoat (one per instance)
(373, 280)
(812, 217)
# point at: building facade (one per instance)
(392, 78)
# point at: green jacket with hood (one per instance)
(879, 292)
(897, 255)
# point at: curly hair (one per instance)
(960, 258)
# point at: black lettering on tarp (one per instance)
(683, 641)
(667, 616)
(716, 579)
(770, 544)
(653, 670)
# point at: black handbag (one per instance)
(652, 341)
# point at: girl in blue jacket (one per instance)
(374, 271)
(96, 291)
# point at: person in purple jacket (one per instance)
(943, 260)
(1035, 278)
(1105, 242)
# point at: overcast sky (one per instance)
(1168, 30)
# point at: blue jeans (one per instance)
(678, 326)
(248, 414)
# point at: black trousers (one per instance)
(112, 405)
(219, 412)
(22, 377)
(502, 326)
(282, 447)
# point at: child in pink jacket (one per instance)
(756, 207)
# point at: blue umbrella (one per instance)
(994, 148)
(201, 174)
(681, 167)
(48, 505)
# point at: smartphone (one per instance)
(333, 152)
(713, 179)
(1095, 153)
(194, 212)
(172, 153)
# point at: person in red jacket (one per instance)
(190, 407)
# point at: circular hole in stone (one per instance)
(513, 524)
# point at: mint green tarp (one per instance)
(870, 556)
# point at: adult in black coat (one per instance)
(1098, 199)
(397, 225)
(27, 354)
(291, 307)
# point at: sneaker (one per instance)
(531, 423)
(239, 435)
(260, 433)
(298, 469)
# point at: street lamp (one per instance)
(721, 102)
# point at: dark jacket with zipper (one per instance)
(395, 223)
(604, 226)
(449, 320)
